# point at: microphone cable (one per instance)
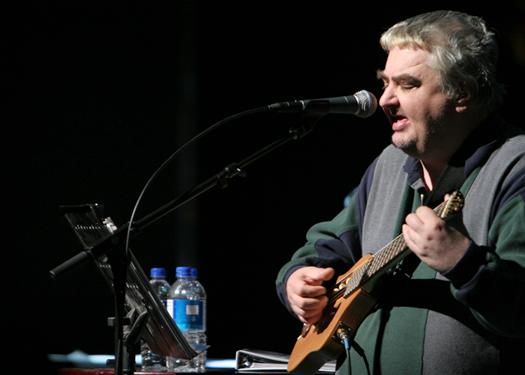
(163, 165)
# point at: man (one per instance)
(456, 303)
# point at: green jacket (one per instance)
(470, 320)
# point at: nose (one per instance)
(389, 98)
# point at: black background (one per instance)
(104, 92)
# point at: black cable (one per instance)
(359, 350)
(172, 156)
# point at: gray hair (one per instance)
(462, 50)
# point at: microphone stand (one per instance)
(232, 170)
(119, 260)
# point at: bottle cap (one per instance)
(158, 272)
(183, 271)
(194, 272)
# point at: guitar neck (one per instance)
(395, 250)
(390, 253)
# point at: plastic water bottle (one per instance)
(187, 306)
(150, 360)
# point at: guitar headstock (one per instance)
(452, 206)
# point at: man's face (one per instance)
(414, 102)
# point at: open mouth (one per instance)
(398, 122)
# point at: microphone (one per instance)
(362, 104)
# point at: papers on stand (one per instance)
(253, 360)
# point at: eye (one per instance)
(409, 84)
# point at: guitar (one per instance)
(352, 299)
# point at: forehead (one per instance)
(403, 61)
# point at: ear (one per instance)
(462, 98)
(462, 104)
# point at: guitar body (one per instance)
(318, 343)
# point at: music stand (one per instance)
(146, 315)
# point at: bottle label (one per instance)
(187, 314)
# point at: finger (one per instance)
(327, 273)
(408, 235)
(308, 304)
(307, 290)
(308, 314)
(318, 275)
(413, 221)
(314, 318)
(312, 304)
(310, 319)
(426, 214)
(313, 291)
